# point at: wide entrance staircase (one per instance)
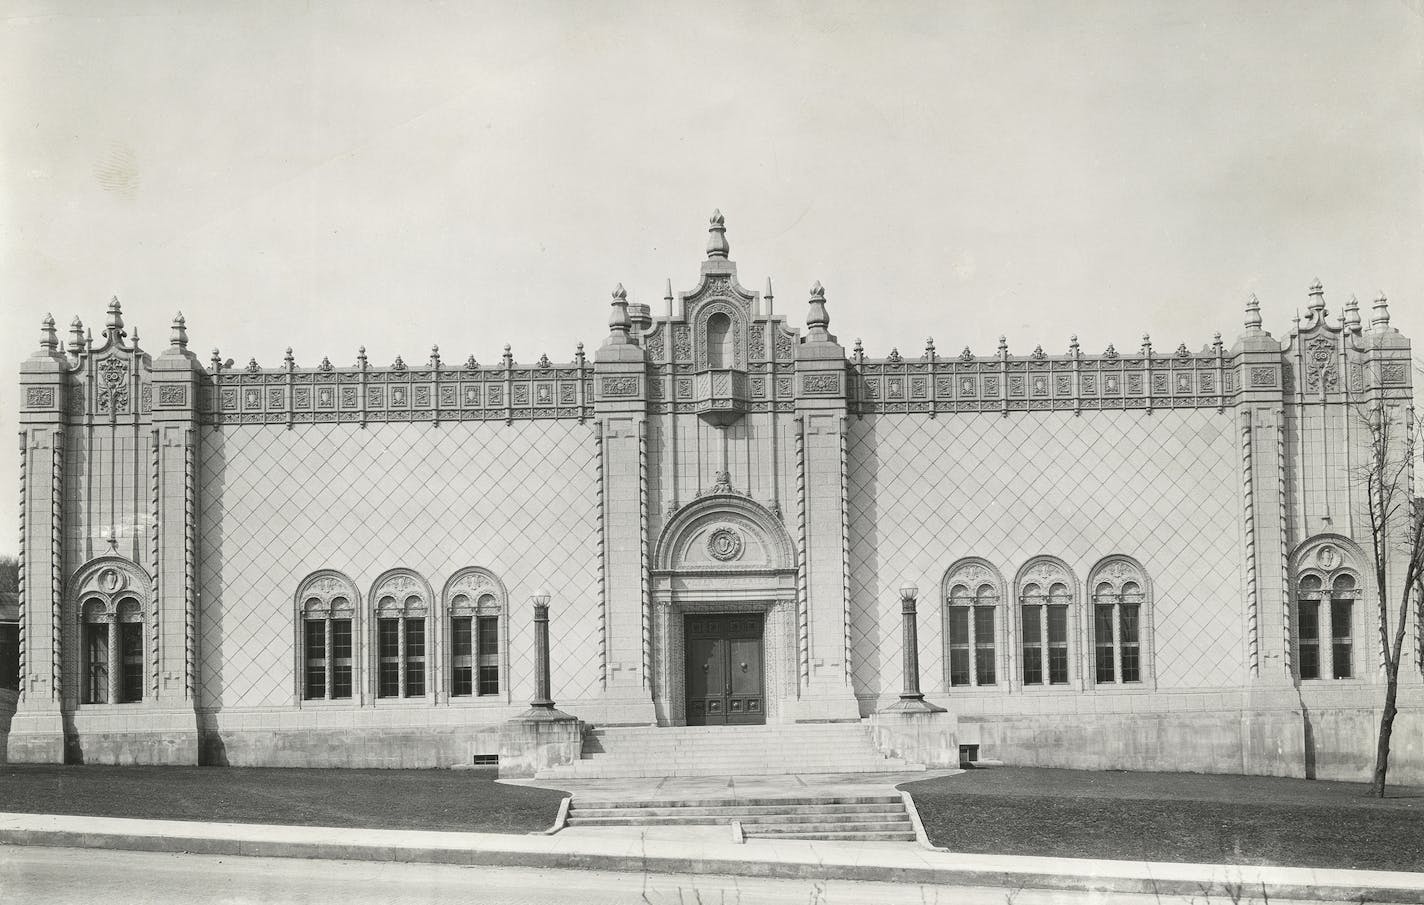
(645, 751)
(842, 801)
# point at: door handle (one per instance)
(744, 667)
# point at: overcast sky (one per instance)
(324, 176)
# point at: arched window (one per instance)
(96, 652)
(402, 634)
(111, 593)
(719, 341)
(1046, 598)
(475, 604)
(327, 617)
(1327, 587)
(1119, 615)
(113, 651)
(972, 623)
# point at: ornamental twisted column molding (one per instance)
(803, 621)
(845, 551)
(189, 549)
(56, 498)
(24, 610)
(154, 611)
(1287, 656)
(647, 603)
(1249, 510)
(602, 579)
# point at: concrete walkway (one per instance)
(703, 853)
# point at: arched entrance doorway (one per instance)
(725, 621)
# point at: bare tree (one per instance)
(1396, 535)
(9, 574)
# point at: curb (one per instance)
(1236, 884)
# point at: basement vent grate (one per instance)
(486, 760)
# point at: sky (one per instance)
(395, 175)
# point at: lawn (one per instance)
(1173, 817)
(462, 800)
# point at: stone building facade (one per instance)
(1148, 559)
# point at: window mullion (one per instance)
(329, 632)
(400, 654)
(114, 661)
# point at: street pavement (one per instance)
(49, 876)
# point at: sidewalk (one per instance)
(703, 852)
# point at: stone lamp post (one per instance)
(541, 707)
(911, 698)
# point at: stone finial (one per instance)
(178, 338)
(1110, 352)
(966, 355)
(1379, 318)
(1003, 346)
(817, 318)
(859, 350)
(895, 355)
(1073, 348)
(507, 359)
(1317, 296)
(667, 296)
(1350, 319)
(1146, 346)
(578, 354)
(1216, 343)
(1038, 354)
(767, 294)
(717, 246)
(76, 336)
(1253, 313)
(215, 363)
(326, 365)
(135, 337)
(1182, 352)
(361, 357)
(618, 323)
(289, 361)
(114, 326)
(49, 339)
(544, 363)
(929, 348)
(252, 366)
(471, 364)
(435, 356)
(398, 364)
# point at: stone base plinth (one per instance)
(924, 736)
(132, 735)
(36, 737)
(529, 744)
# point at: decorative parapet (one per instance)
(1041, 382)
(433, 392)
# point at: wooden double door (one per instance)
(726, 682)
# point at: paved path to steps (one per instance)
(702, 788)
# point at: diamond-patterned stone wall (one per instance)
(278, 504)
(1161, 488)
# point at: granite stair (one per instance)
(867, 817)
(649, 751)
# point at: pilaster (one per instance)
(1255, 370)
(821, 406)
(620, 405)
(37, 730)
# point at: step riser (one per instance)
(752, 811)
(843, 837)
(652, 772)
(788, 802)
(901, 820)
